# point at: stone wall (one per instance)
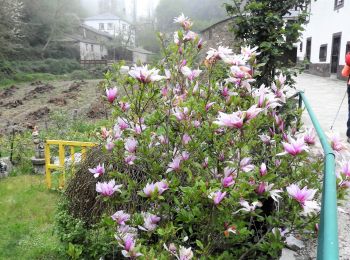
(320, 69)
(219, 34)
(324, 70)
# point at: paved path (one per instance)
(325, 96)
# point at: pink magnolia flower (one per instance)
(186, 139)
(111, 94)
(234, 120)
(144, 75)
(217, 197)
(185, 253)
(345, 168)
(281, 79)
(122, 123)
(109, 145)
(181, 114)
(117, 132)
(205, 163)
(164, 91)
(175, 165)
(107, 188)
(190, 74)
(248, 52)
(266, 139)
(152, 188)
(105, 133)
(129, 244)
(263, 169)
(301, 195)
(261, 188)
(184, 21)
(228, 181)
(245, 164)
(120, 217)
(129, 159)
(336, 142)
(190, 36)
(161, 186)
(124, 106)
(248, 207)
(196, 123)
(149, 189)
(238, 73)
(230, 171)
(163, 139)
(223, 53)
(185, 155)
(150, 222)
(310, 136)
(98, 170)
(209, 105)
(252, 112)
(130, 145)
(294, 147)
(139, 128)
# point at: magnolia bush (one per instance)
(209, 165)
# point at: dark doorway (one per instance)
(308, 51)
(335, 52)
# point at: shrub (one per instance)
(199, 162)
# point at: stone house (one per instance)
(114, 26)
(326, 38)
(219, 34)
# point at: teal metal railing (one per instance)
(327, 244)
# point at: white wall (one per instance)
(90, 51)
(324, 22)
(139, 57)
(119, 27)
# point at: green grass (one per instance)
(27, 211)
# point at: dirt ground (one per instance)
(26, 105)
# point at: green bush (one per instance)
(198, 161)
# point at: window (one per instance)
(338, 4)
(92, 47)
(101, 26)
(101, 48)
(87, 46)
(323, 52)
(301, 47)
(110, 26)
(124, 27)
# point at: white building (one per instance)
(326, 38)
(114, 26)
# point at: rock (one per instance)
(5, 167)
(38, 165)
(294, 243)
(287, 254)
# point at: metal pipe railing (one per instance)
(327, 244)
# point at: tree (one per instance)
(47, 20)
(263, 23)
(11, 12)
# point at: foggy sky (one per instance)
(143, 7)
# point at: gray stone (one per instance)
(287, 254)
(5, 167)
(38, 165)
(294, 243)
